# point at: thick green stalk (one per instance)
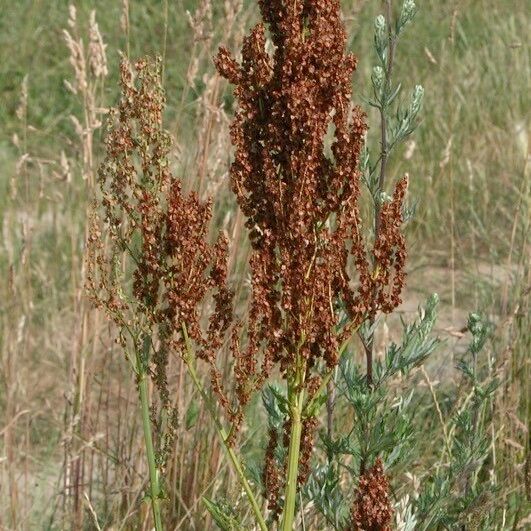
(296, 404)
(293, 463)
(154, 479)
(188, 360)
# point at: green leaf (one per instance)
(394, 94)
(416, 345)
(191, 415)
(276, 404)
(317, 403)
(223, 514)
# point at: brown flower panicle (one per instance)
(271, 475)
(390, 252)
(309, 426)
(295, 175)
(372, 510)
(286, 186)
(156, 234)
(132, 180)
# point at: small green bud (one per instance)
(409, 7)
(379, 33)
(379, 25)
(378, 76)
(416, 100)
(475, 324)
(384, 198)
(408, 12)
(434, 299)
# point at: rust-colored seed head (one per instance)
(390, 253)
(295, 175)
(372, 510)
(309, 426)
(155, 232)
(271, 475)
(301, 205)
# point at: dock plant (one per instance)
(318, 275)
(148, 259)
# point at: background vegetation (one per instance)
(68, 422)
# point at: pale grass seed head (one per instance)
(22, 109)
(77, 60)
(201, 21)
(124, 17)
(96, 56)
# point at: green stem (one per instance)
(308, 410)
(223, 435)
(154, 479)
(296, 401)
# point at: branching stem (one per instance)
(391, 38)
(188, 358)
(296, 403)
(142, 358)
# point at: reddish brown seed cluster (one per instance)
(380, 289)
(271, 476)
(132, 180)
(372, 509)
(309, 427)
(295, 197)
(297, 145)
(155, 233)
